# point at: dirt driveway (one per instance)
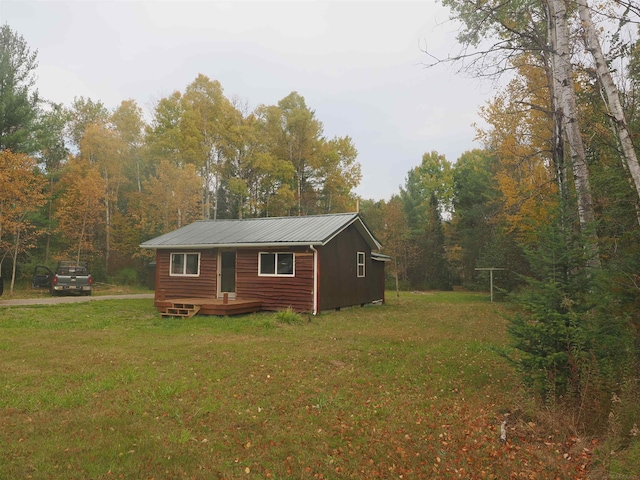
(4, 302)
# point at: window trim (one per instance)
(361, 263)
(276, 274)
(184, 268)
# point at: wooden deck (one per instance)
(188, 307)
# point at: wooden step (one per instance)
(181, 310)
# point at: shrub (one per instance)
(288, 316)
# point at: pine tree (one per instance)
(18, 98)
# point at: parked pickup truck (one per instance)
(70, 277)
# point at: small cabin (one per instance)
(309, 264)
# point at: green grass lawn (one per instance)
(410, 389)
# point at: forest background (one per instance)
(552, 197)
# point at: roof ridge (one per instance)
(278, 218)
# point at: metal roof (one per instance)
(265, 232)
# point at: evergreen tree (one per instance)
(437, 275)
(569, 342)
(475, 203)
(426, 195)
(18, 98)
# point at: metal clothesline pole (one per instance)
(491, 269)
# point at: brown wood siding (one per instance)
(340, 285)
(377, 280)
(202, 286)
(276, 293)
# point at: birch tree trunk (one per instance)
(558, 150)
(611, 91)
(107, 229)
(207, 177)
(216, 183)
(563, 81)
(49, 220)
(107, 218)
(83, 232)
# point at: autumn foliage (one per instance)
(202, 155)
(21, 195)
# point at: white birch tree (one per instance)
(612, 97)
(539, 28)
(563, 84)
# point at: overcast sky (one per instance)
(359, 65)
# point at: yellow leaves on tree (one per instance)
(394, 237)
(80, 212)
(340, 174)
(21, 194)
(107, 152)
(171, 199)
(103, 149)
(281, 202)
(519, 136)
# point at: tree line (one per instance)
(84, 181)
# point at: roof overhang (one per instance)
(232, 245)
(379, 257)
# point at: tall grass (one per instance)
(410, 389)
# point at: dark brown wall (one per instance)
(276, 293)
(377, 280)
(340, 285)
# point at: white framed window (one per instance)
(278, 264)
(185, 264)
(361, 263)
